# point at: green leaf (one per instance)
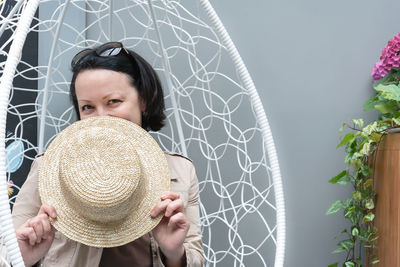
(335, 207)
(351, 214)
(340, 180)
(337, 177)
(349, 264)
(385, 108)
(346, 139)
(346, 244)
(396, 121)
(388, 122)
(355, 231)
(333, 264)
(369, 217)
(356, 164)
(365, 149)
(368, 183)
(371, 102)
(357, 196)
(338, 250)
(358, 122)
(342, 232)
(375, 137)
(365, 170)
(348, 202)
(348, 157)
(344, 180)
(390, 91)
(370, 128)
(373, 239)
(342, 128)
(373, 262)
(369, 204)
(358, 155)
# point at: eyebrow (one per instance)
(107, 95)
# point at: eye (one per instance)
(86, 107)
(114, 101)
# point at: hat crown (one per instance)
(102, 182)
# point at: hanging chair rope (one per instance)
(6, 224)
(10, 15)
(42, 127)
(264, 125)
(167, 74)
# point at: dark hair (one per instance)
(143, 77)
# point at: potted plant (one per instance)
(360, 142)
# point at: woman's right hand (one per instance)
(36, 235)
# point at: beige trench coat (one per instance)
(65, 252)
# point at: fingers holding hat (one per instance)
(41, 223)
(27, 233)
(170, 195)
(49, 210)
(171, 232)
(38, 227)
(170, 204)
(174, 214)
(174, 207)
(36, 235)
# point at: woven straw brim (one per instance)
(109, 136)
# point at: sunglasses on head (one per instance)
(105, 50)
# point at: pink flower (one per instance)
(390, 58)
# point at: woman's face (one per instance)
(102, 92)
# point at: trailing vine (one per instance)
(360, 141)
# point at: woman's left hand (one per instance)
(171, 231)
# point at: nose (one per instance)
(102, 112)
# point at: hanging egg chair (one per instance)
(215, 116)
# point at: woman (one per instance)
(113, 81)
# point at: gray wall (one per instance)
(311, 62)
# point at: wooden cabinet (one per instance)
(387, 213)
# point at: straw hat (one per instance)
(103, 175)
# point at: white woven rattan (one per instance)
(215, 116)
